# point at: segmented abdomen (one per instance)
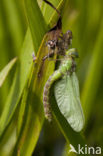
(46, 103)
(47, 109)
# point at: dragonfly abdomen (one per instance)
(47, 109)
(46, 102)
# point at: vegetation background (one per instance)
(22, 28)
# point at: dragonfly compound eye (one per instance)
(73, 53)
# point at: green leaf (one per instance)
(13, 25)
(22, 109)
(19, 82)
(36, 21)
(12, 29)
(67, 96)
(6, 70)
(33, 115)
(22, 73)
(92, 81)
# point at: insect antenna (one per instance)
(52, 7)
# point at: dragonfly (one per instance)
(66, 90)
(67, 65)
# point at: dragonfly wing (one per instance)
(67, 96)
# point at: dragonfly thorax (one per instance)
(72, 53)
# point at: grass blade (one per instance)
(93, 76)
(19, 82)
(6, 70)
(35, 18)
(34, 115)
(20, 79)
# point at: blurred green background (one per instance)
(85, 19)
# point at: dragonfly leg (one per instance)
(48, 55)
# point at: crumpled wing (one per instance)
(67, 96)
